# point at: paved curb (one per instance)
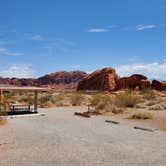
(27, 115)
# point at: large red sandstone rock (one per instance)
(135, 80)
(104, 80)
(159, 85)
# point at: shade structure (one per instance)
(16, 88)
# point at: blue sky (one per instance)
(43, 36)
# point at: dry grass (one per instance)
(126, 99)
(112, 103)
(118, 111)
(76, 98)
(27, 100)
(141, 115)
(101, 99)
(148, 94)
(151, 103)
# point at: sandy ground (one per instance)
(158, 120)
(61, 139)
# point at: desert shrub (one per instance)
(28, 100)
(101, 99)
(118, 111)
(125, 99)
(109, 108)
(101, 105)
(46, 104)
(148, 93)
(60, 96)
(164, 106)
(6, 101)
(151, 103)
(155, 107)
(45, 101)
(3, 113)
(76, 98)
(102, 102)
(142, 115)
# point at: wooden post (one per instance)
(35, 101)
(1, 97)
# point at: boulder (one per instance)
(159, 85)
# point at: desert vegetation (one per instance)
(141, 115)
(116, 103)
(127, 103)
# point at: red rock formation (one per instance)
(18, 81)
(159, 85)
(57, 80)
(135, 80)
(104, 80)
(107, 80)
(145, 84)
(62, 79)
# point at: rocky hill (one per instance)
(107, 80)
(103, 80)
(57, 80)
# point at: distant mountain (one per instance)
(57, 80)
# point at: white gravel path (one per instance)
(61, 139)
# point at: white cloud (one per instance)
(18, 70)
(34, 37)
(143, 27)
(5, 51)
(60, 45)
(151, 70)
(113, 26)
(98, 30)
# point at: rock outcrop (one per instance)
(107, 80)
(18, 81)
(135, 80)
(57, 80)
(103, 80)
(159, 85)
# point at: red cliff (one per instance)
(104, 80)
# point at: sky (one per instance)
(44, 36)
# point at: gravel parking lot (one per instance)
(61, 139)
